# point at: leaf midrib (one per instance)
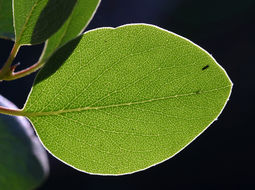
(57, 112)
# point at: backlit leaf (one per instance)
(36, 20)
(125, 99)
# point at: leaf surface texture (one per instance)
(125, 99)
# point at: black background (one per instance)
(223, 156)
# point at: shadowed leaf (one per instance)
(6, 23)
(37, 20)
(80, 17)
(23, 161)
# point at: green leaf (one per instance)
(80, 17)
(125, 99)
(36, 20)
(6, 23)
(23, 161)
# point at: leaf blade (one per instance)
(137, 96)
(83, 11)
(6, 20)
(35, 21)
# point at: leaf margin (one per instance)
(205, 128)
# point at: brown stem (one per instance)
(7, 68)
(25, 72)
(8, 111)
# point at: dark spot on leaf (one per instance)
(197, 92)
(205, 67)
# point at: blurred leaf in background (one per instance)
(23, 160)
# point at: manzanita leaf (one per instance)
(6, 23)
(80, 17)
(23, 161)
(36, 20)
(125, 99)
